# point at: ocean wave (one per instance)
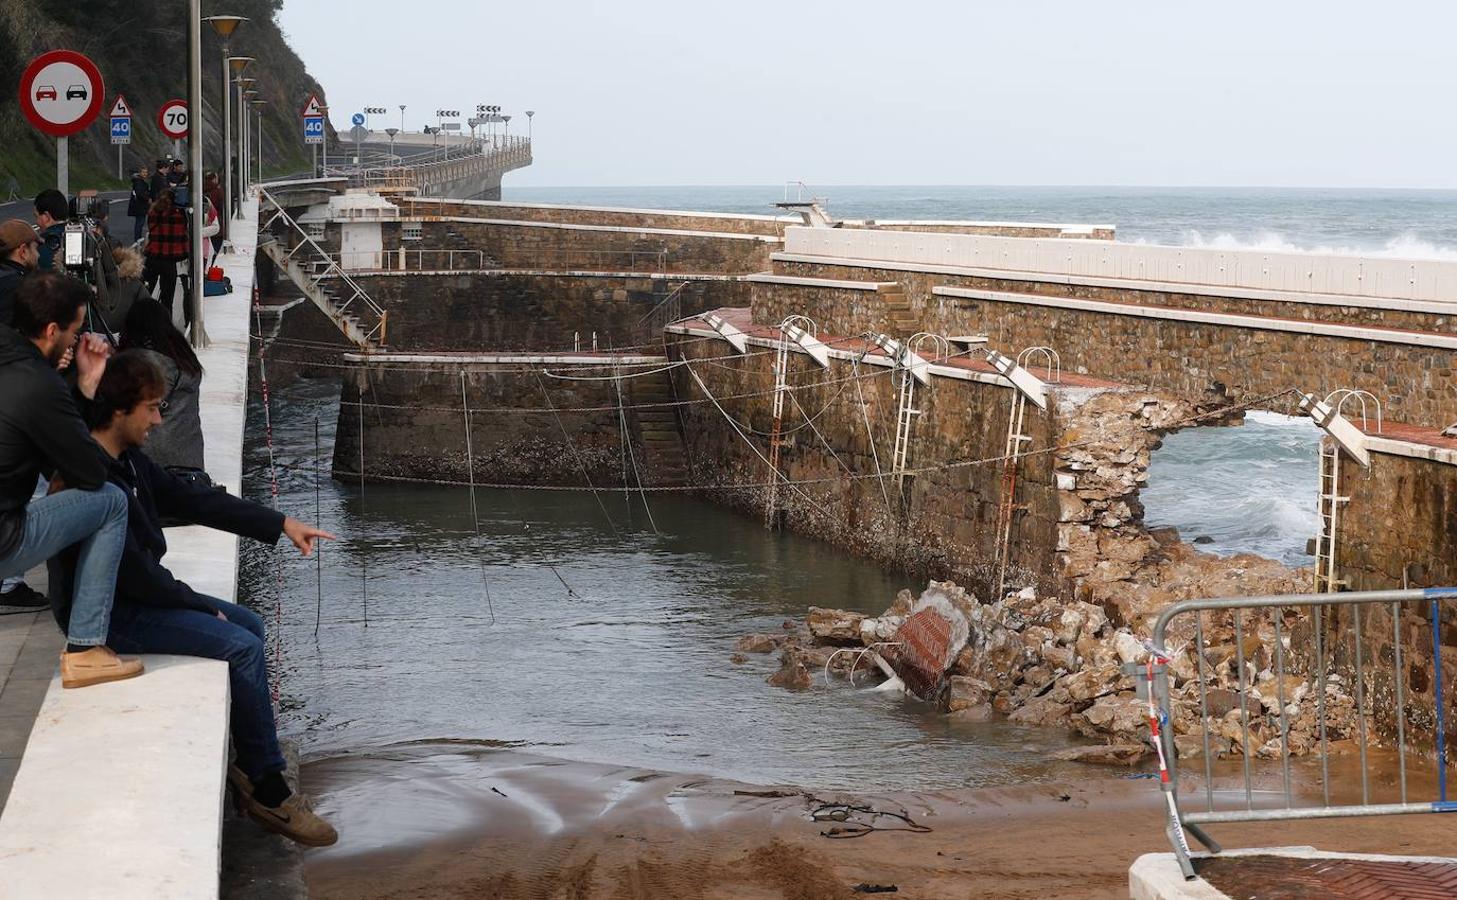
(1402, 246)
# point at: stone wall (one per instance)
(415, 424)
(510, 311)
(1193, 359)
(567, 248)
(1402, 518)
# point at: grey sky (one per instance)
(1129, 92)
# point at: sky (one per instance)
(1281, 93)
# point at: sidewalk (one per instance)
(29, 644)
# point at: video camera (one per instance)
(81, 242)
(81, 245)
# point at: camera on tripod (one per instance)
(81, 241)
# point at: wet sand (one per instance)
(456, 821)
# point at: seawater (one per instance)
(1252, 487)
(633, 666)
(1402, 223)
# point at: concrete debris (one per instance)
(1107, 754)
(927, 643)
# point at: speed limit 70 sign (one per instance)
(172, 119)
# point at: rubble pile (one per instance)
(1042, 661)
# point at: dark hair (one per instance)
(165, 202)
(46, 298)
(130, 378)
(149, 326)
(53, 202)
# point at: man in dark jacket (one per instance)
(51, 210)
(42, 431)
(139, 202)
(160, 181)
(19, 254)
(156, 613)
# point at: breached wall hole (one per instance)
(1251, 487)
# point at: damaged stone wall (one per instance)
(500, 311)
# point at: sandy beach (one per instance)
(456, 821)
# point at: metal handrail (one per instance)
(1156, 670)
(332, 271)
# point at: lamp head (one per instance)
(224, 26)
(239, 63)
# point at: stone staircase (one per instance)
(664, 459)
(900, 319)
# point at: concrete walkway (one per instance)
(29, 644)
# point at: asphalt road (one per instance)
(120, 222)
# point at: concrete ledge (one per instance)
(1266, 323)
(553, 273)
(827, 283)
(1156, 876)
(120, 791)
(581, 359)
(1436, 307)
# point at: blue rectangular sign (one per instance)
(313, 129)
(121, 130)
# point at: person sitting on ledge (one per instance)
(156, 613)
(42, 432)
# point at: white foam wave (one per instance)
(1402, 246)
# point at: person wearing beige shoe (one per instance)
(42, 433)
(156, 613)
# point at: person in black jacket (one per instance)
(156, 613)
(19, 254)
(139, 202)
(41, 431)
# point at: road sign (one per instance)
(357, 119)
(121, 130)
(61, 92)
(358, 133)
(313, 108)
(314, 130)
(120, 109)
(172, 119)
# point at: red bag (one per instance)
(215, 274)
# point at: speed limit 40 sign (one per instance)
(172, 119)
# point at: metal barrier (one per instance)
(406, 260)
(1322, 674)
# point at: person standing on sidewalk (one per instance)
(167, 245)
(139, 203)
(214, 191)
(51, 210)
(41, 431)
(156, 613)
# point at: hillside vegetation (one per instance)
(141, 48)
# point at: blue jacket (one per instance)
(153, 493)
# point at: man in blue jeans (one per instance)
(41, 431)
(156, 613)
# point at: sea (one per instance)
(594, 631)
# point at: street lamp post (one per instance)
(529, 114)
(231, 193)
(258, 107)
(223, 27)
(194, 165)
(245, 84)
(245, 175)
(506, 130)
(392, 132)
(402, 117)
